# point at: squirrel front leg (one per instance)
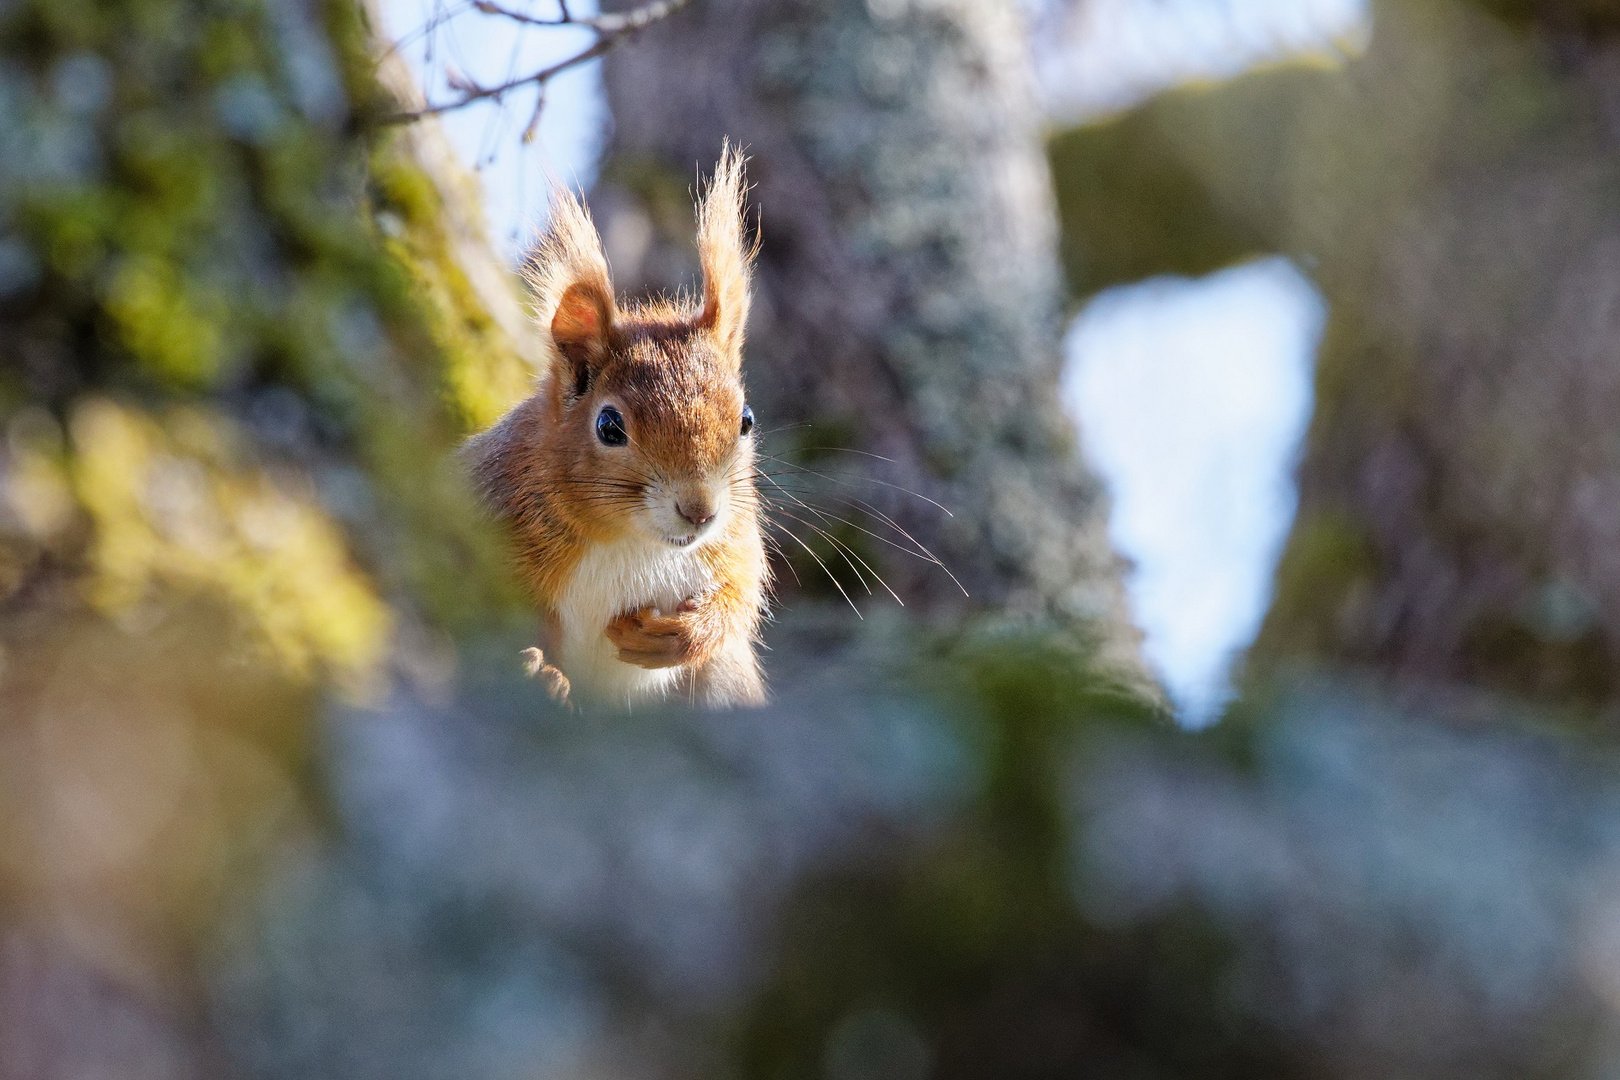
(534, 662)
(555, 682)
(699, 628)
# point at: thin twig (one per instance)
(610, 30)
(613, 23)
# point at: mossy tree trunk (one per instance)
(242, 330)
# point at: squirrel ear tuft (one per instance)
(726, 256)
(573, 292)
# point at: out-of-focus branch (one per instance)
(610, 30)
(620, 23)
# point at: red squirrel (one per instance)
(627, 478)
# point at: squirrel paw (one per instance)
(534, 662)
(649, 639)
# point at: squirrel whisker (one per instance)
(834, 540)
(809, 551)
(869, 479)
(844, 549)
(921, 550)
(836, 546)
(772, 545)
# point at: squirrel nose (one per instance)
(699, 514)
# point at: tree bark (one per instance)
(1460, 490)
(1460, 500)
(909, 288)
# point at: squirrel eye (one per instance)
(610, 427)
(747, 420)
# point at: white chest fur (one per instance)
(612, 579)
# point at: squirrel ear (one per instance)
(572, 289)
(580, 328)
(727, 259)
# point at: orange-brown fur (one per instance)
(585, 515)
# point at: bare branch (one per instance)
(613, 23)
(488, 7)
(610, 30)
(533, 126)
(637, 18)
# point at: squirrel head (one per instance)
(651, 432)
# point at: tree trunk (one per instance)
(1460, 498)
(909, 287)
(1460, 490)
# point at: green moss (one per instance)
(167, 326)
(1515, 657)
(483, 374)
(1130, 209)
(403, 189)
(228, 48)
(1598, 19)
(1328, 557)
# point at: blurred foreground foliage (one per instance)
(963, 858)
